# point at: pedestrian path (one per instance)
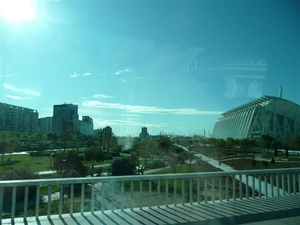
(266, 188)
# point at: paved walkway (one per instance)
(215, 163)
(265, 191)
(258, 211)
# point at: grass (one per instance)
(55, 208)
(35, 164)
(54, 188)
(241, 159)
(246, 164)
(195, 168)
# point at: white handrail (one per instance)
(185, 188)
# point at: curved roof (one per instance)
(280, 105)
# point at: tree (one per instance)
(3, 148)
(230, 142)
(122, 166)
(286, 147)
(37, 137)
(265, 141)
(18, 174)
(70, 173)
(164, 143)
(52, 137)
(294, 143)
(64, 161)
(107, 136)
(77, 139)
(139, 151)
(191, 157)
(221, 143)
(182, 156)
(93, 154)
(173, 161)
(99, 136)
(8, 146)
(274, 145)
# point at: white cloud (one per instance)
(74, 75)
(148, 109)
(123, 80)
(102, 96)
(22, 91)
(31, 92)
(130, 115)
(9, 75)
(17, 97)
(121, 71)
(102, 123)
(86, 74)
(118, 72)
(12, 88)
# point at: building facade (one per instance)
(144, 133)
(270, 115)
(18, 119)
(65, 118)
(86, 126)
(45, 125)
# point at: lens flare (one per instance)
(17, 10)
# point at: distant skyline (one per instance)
(125, 80)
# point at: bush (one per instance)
(115, 154)
(122, 166)
(108, 156)
(155, 164)
(18, 174)
(126, 151)
(39, 153)
(266, 164)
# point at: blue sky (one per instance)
(122, 81)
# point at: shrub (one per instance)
(155, 164)
(18, 174)
(108, 156)
(122, 166)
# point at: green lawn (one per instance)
(35, 164)
(55, 208)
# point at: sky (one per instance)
(129, 73)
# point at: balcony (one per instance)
(224, 197)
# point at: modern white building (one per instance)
(270, 115)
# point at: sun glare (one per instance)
(17, 10)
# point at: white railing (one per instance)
(128, 192)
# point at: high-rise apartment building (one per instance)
(45, 125)
(65, 118)
(18, 119)
(86, 126)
